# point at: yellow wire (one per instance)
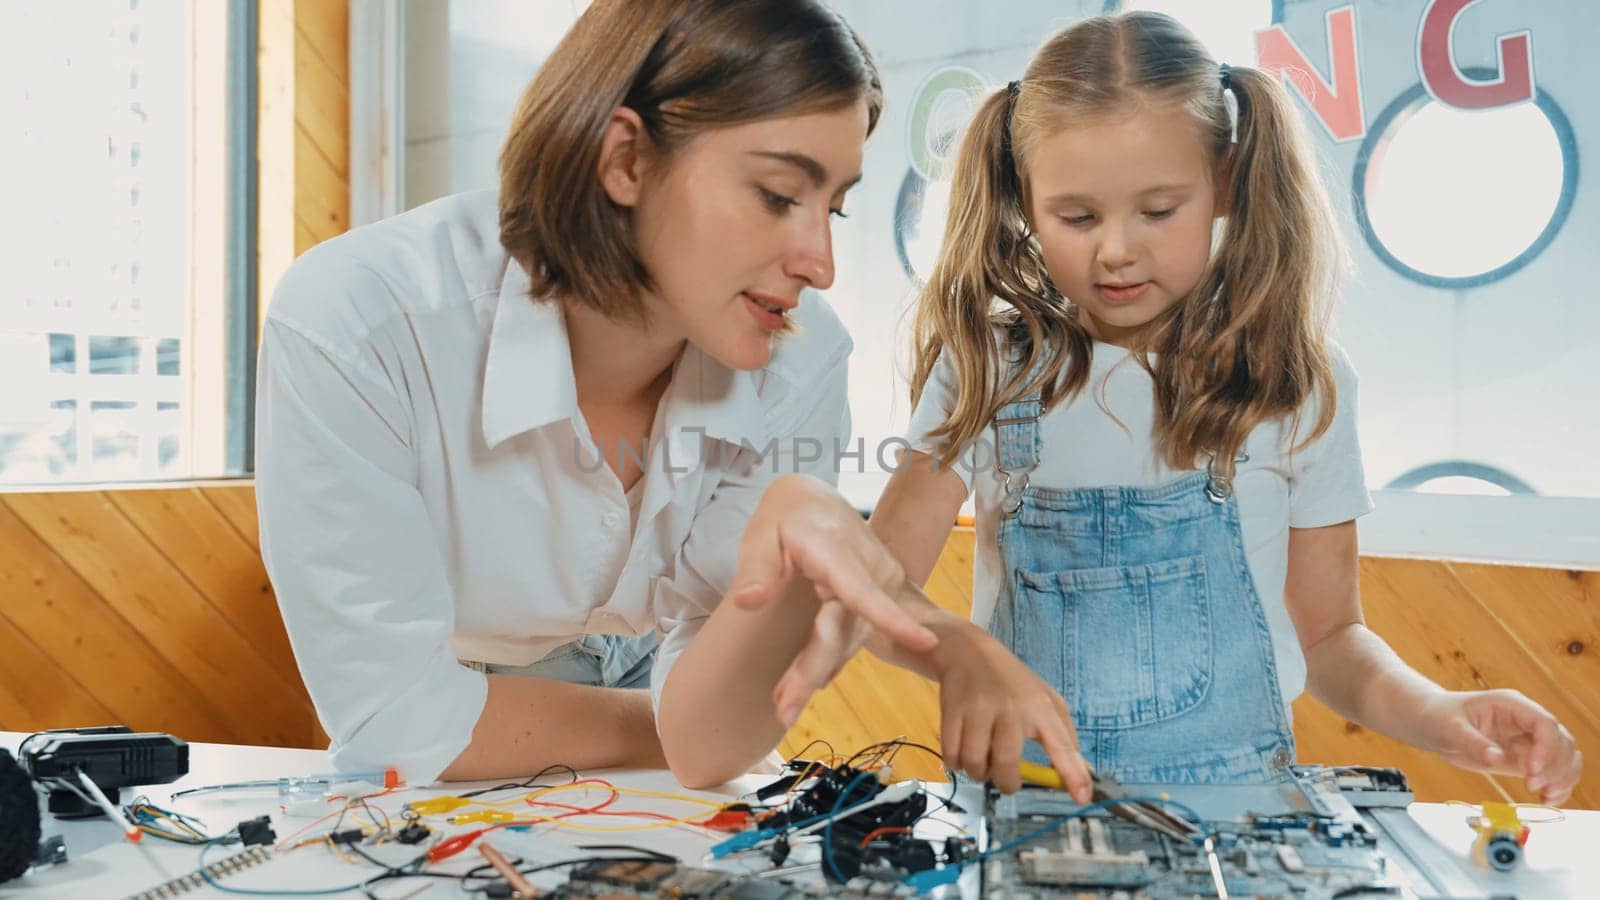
(635, 792)
(1556, 815)
(339, 851)
(535, 819)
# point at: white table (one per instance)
(1563, 859)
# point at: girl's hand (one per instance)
(803, 528)
(1503, 731)
(990, 701)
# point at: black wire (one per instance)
(388, 826)
(628, 848)
(815, 741)
(651, 856)
(944, 802)
(412, 869)
(1367, 889)
(587, 859)
(355, 848)
(525, 785)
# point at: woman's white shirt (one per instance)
(428, 491)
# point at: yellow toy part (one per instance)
(1501, 836)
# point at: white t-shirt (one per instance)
(1083, 444)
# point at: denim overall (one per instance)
(1138, 606)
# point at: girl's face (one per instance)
(1123, 209)
(738, 222)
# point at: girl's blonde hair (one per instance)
(1245, 346)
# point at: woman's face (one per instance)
(738, 221)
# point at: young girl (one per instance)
(1130, 306)
(1122, 352)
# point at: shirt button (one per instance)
(610, 520)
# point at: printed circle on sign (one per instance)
(941, 107)
(920, 211)
(1458, 199)
(943, 104)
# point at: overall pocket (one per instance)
(1125, 645)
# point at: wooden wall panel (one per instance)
(304, 130)
(35, 689)
(211, 556)
(85, 638)
(321, 140)
(238, 506)
(131, 574)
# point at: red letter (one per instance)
(1338, 106)
(1436, 59)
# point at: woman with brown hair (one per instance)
(500, 436)
(505, 441)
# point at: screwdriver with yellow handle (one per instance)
(1043, 776)
(1147, 814)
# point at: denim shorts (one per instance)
(603, 660)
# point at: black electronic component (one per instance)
(347, 836)
(414, 833)
(779, 851)
(19, 819)
(256, 831)
(113, 757)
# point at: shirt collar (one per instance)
(723, 403)
(527, 377)
(528, 380)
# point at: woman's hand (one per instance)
(803, 528)
(1503, 731)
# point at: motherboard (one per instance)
(1305, 837)
(1302, 838)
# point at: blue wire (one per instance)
(827, 833)
(263, 893)
(745, 840)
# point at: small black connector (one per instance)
(256, 831)
(415, 833)
(347, 836)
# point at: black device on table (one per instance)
(112, 756)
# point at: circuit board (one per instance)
(1305, 838)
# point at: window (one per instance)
(116, 315)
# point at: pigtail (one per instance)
(990, 272)
(1248, 344)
